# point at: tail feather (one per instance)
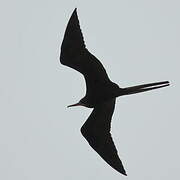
(144, 87)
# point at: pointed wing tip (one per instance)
(124, 173)
(73, 15)
(121, 170)
(75, 11)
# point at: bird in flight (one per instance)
(101, 93)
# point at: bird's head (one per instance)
(77, 104)
(82, 102)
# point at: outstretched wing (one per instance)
(96, 131)
(75, 55)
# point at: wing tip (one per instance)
(75, 11)
(121, 170)
(124, 173)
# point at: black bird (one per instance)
(101, 93)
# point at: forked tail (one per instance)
(144, 87)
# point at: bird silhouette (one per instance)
(101, 93)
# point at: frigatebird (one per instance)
(101, 93)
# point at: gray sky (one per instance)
(137, 41)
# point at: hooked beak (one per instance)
(77, 104)
(145, 87)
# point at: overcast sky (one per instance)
(137, 41)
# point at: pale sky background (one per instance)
(138, 42)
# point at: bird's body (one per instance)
(101, 93)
